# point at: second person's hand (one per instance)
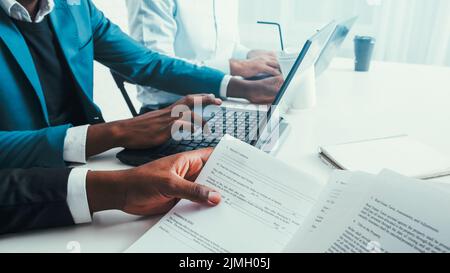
(261, 53)
(258, 92)
(264, 64)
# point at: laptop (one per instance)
(333, 44)
(262, 128)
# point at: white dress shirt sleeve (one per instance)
(75, 144)
(77, 196)
(240, 51)
(153, 23)
(219, 64)
(75, 152)
(224, 86)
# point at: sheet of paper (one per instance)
(264, 204)
(397, 214)
(337, 184)
(340, 194)
(437, 183)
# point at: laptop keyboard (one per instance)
(235, 123)
(239, 124)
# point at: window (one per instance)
(414, 31)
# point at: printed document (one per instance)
(387, 213)
(264, 202)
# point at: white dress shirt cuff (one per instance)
(75, 144)
(77, 196)
(224, 86)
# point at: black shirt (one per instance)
(61, 97)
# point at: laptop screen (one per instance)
(336, 40)
(305, 60)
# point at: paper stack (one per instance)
(387, 213)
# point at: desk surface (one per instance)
(392, 99)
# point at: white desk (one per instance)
(392, 99)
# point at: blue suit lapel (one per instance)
(66, 31)
(19, 49)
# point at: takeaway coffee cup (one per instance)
(364, 46)
(287, 60)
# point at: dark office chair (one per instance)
(120, 82)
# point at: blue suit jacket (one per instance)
(85, 35)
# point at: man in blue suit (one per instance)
(47, 113)
(34, 130)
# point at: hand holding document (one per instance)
(264, 202)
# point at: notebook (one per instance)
(402, 154)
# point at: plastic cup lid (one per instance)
(365, 38)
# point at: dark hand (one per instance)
(153, 188)
(155, 128)
(149, 130)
